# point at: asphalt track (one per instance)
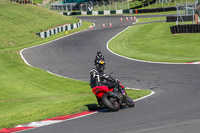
(175, 108)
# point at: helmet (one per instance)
(99, 52)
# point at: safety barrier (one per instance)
(106, 12)
(130, 11)
(187, 28)
(152, 10)
(58, 29)
(180, 18)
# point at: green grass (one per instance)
(21, 22)
(38, 1)
(31, 94)
(20, 1)
(140, 93)
(154, 42)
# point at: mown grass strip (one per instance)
(31, 94)
(154, 42)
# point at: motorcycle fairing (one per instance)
(100, 90)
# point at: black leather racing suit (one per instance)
(101, 79)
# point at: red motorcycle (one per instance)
(111, 100)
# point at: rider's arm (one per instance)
(108, 78)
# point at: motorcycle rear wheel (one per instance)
(109, 103)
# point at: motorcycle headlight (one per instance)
(101, 62)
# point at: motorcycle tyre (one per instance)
(130, 104)
(108, 104)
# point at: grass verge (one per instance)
(27, 93)
(154, 42)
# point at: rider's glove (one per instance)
(117, 80)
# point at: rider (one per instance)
(99, 78)
(98, 57)
(97, 75)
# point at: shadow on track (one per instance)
(100, 109)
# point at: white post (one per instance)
(193, 16)
(91, 6)
(109, 5)
(104, 5)
(128, 4)
(177, 16)
(97, 6)
(115, 5)
(122, 5)
(86, 7)
(186, 8)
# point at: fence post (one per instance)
(193, 16)
(128, 4)
(97, 6)
(109, 6)
(86, 6)
(104, 5)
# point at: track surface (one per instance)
(175, 108)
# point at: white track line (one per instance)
(47, 43)
(107, 45)
(40, 123)
(50, 122)
(45, 123)
(152, 93)
(71, 35)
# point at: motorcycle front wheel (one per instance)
(129, 101)
(110, 102)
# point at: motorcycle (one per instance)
(111, 100)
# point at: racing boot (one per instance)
(99, 101)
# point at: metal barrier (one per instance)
(185, 10)
(180, 18)
(90, 6)
(58, 29)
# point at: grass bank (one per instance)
(31, 94)
(19, 23)
(154, 42)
